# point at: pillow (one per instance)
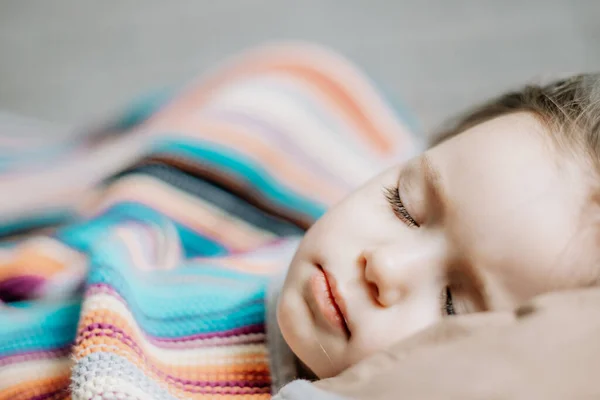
(547, 349)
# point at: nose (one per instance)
(393, 271)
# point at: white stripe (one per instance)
(110, 388)
(308, 133)
(33, 369)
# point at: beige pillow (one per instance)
(547, 349)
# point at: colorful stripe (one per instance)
(179, 215)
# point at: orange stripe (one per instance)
(345, 101)
(29, 260)
(200, 396)
(239, 264)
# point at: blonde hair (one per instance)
(570, 108)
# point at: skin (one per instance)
(498, 210)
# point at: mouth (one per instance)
(328, 300)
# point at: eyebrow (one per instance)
(435, 191)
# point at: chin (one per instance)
(312, 364)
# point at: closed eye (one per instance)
(392, 195)
(447, 302)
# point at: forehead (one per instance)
(514, 202)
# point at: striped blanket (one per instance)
(138, 259)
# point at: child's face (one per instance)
(490, 217)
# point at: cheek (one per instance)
(329, 233)
(383, 328)
(285, 311)
(376, 336)
(362, 217)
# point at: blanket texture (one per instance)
(136, 258)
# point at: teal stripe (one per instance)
(174, 303)
(31, 222)
(38, 326)
(143, 108)
(81, 236)
(239, 165)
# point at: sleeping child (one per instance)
(185, 251)
(498, 211)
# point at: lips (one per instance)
(328, 301)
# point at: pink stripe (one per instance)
(256, 386)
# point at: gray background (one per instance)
(71, 60)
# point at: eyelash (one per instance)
(393, 197)
(446, 302)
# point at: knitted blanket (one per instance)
(137, 256)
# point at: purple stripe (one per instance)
(114, 333)
(103, 288)
(50, 395)
(34, 355)
(255, 383)
(240, 391)
(117, 332)
(20, 288)
(245, 330)
(262, 381)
